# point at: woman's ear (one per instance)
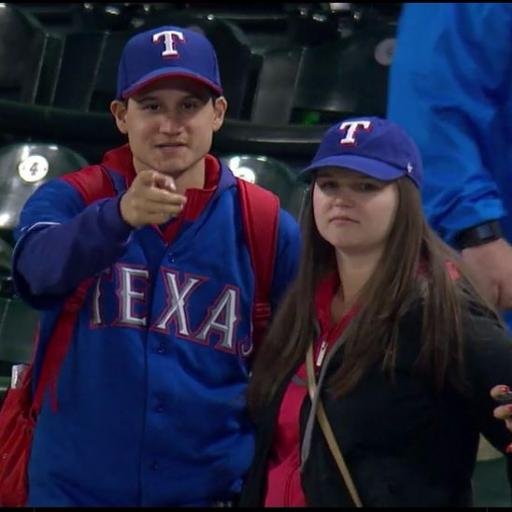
(119, 109)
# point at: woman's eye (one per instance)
(327, 185)
(367, 186)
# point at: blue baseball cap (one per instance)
(370, 145)
(167, 51)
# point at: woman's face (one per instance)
(353, 212)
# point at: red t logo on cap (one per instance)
(169, 41)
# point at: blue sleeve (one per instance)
(451, 67)
(287, 256)
(60, 241)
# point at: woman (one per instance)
(405, 350)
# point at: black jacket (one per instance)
(404, 443)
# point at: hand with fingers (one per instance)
(503, 395)
(151, 199)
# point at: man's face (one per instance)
(170, 124)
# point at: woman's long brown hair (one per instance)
(384, 299)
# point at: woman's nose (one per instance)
(343, 196)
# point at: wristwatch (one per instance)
(478, 235)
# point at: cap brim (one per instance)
(168, 73)
(368, 166)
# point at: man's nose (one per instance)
(169, 124)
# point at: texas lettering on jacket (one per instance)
(190, 306)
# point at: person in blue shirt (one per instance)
(150, 396)
(449, 88)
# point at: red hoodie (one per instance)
(284, 487)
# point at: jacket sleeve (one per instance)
(448, 78)
(60, 241)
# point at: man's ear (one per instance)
(118, 109)
(220, 105)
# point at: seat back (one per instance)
(18, 328)
(268, 172)
(274, 93)
(29, 57)
(347, 77)
(88, 74)
(26, 166)
(340, 78)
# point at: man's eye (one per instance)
(191, 105)
(150, 106)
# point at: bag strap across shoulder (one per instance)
(93, 183)
(328, 433)
(260, 216)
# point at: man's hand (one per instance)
(151, 199)
(491, 264)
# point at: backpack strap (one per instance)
(260, 217)
(93, 183)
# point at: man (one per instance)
(450, 89)
(154, 286)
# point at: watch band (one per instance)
(478, 235)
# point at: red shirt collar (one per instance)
(324, 294)
(198, 197)
(121, 160)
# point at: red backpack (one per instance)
(18, 415)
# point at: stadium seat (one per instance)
(29, 56)
(311, 24)
(364, 65)
(18, 324)
(108, 16)
(91, 85)
(275, 89)
(18, 327)
(23, 168)
(270, 173)
(337, 79)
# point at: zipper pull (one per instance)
(321, 353)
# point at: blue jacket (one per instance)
(151, 394)
(449, 87)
